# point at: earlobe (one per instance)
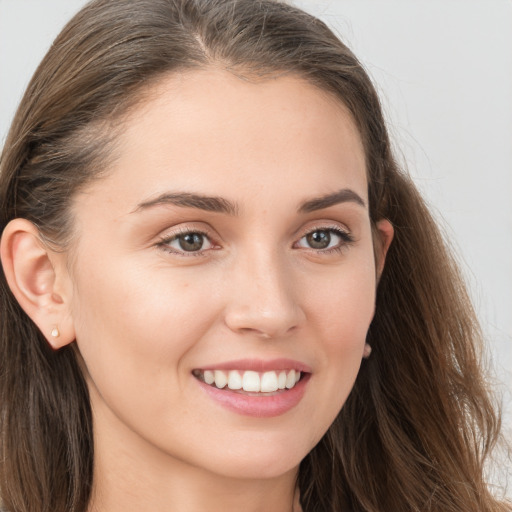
(385, 233)
(32, 275)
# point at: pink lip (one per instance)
(259, 365)
(260, 406)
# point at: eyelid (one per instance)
(165, 239)
(347, 238)
(324, 225)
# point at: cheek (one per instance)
(134, 335)
(342, 313)
(344, 307)
(130, 323)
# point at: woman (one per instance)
(219, 292)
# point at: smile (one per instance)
(250, 381)
(254, 387)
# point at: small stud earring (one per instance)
(367, 351)
(55, 332)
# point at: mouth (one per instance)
(253, 387)
(251, 382)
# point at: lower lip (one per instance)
(260, 406)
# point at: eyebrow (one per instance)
(342, 196)
(188, 200)
(221, 205)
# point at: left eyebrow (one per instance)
(342, 196)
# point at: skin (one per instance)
(145, 313)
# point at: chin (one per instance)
(260, 460)
(259, 470)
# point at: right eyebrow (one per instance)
(189, 200)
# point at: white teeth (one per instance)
(251, 381)
(234, 380)
(290, 379)
(269, 382)
(220, 379)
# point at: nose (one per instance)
(263, 297)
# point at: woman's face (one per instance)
(231, 241)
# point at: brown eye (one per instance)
(319, 239)
(326, 239)
(192, 241)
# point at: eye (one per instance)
(190, 241)
(325, 239)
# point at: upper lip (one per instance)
(259, 365)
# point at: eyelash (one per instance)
(346, 240)
(165, 242)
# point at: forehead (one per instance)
(216, 133)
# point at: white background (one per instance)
(444, 71)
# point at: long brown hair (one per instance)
(419, 423)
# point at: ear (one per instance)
(382, 240)
(38, 279)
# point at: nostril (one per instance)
(262, 325)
